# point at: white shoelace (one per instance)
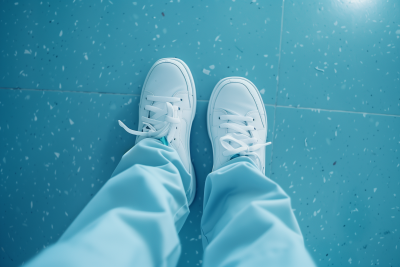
(163, 118)
(239, 127)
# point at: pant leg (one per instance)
(248, 220)
(134, 219)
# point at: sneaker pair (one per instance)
(236, 117)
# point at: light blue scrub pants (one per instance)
(135, 218)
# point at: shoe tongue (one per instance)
(163, 106)
(240, 136)
(161, 126)
(236, 135)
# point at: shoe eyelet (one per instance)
(254, 128)
(253, 119)
(179, 108)
(174, 138)
(181, 99)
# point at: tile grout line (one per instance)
(202, 100)
(66, 91)
(335, 110)
(277, 90)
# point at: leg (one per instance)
(248, 220)
(134, 219)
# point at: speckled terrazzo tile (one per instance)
(341, 55)
(109, 46)
(342, 172)
(56, 151)
(201, 152)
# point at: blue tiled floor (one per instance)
(69, 71)
(341, 55)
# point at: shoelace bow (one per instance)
(162, 121)
(239, 124)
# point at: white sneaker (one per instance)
(237, 122)
(167, 109)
